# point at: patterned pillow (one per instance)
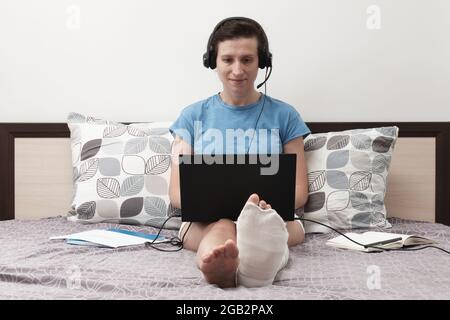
(347, 178)
(121, 172)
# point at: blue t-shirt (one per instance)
(213, 127)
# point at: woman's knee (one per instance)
(224, 225)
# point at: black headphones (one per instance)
(264, 55)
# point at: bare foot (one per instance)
(219, 266)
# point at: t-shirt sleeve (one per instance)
(183, 127)
(295, 127)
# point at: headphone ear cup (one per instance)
(206, 60)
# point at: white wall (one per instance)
(140, 60)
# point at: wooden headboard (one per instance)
(36, 172)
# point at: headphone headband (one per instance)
(265, 57)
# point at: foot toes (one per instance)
(262, 204)
(254, 198)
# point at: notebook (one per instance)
(214, 190)
(383, 240)
(110, 238)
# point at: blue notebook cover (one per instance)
(149, 236)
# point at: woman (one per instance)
(230, 253)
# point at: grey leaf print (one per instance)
(315, 202)
(361, 141)
(90, 149)
(380, 163)
(360, 160)
(338, 200)
(315, 143)
(135, 145)
(369, 219)
(86, 210)
(76, 118)
(338, 142)
(316, 180)
(114, 131)
(382, 144)
(131, 186)
(159, 144)
(137, 132)
(155, 207)
(388, 131)
(88, 169)
(377, 203)
(360, 180)
(359, 201)
(378, 184)
(158, 131)
(157, 164)
(337, 179)
(131, 207)
(337, 159)
(96, 120)
(108, 188)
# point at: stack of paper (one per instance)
(110, 238)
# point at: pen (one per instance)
(382, 242)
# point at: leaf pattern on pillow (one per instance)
(108, 188)
(337, 159)
(338, 200)
(158, 131)
(361, 141)
(378, 184)
(131, 207)
(338, 142)
(360, 160)
(155, 207)
(135, 145)
(377, 202)
(388, 131)
(315, 202)
(316, 180)
(137, 132)
(159, 144)
(131, 186)
(88, 169)
(360, 180)
(157, 164)
(369, 219)
(359, 201)
(337, 179)
(74, 117)
(382, 144)
(90, 149)
(86, 210)
(114, 131)
(314, 143)
(380, 163)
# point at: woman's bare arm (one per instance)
(301, 180)
(179, 146)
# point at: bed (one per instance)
(36, 187)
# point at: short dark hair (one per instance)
(239, 28)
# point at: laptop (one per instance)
(213, 187)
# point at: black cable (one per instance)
(370, 246)
(262, 109)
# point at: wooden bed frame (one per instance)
(36, 172)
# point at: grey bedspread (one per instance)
(34, 267)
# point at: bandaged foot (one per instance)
(262, 242)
